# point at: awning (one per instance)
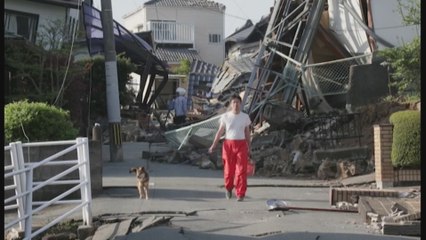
(135, 48)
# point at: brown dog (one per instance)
(142, 179)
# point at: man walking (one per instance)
(235, 148)
(180, 106)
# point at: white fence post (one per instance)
(17, 162)
(84, 170)
(29, 204)
(23, 184)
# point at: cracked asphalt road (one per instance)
(178, 188)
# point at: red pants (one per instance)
(235, 159)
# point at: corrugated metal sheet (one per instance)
(187, 3)
(135, 48)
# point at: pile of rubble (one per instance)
(337, 145)
(392, 212)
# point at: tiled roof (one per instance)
(175, 55)
(249, 32)
(241, 33)
(201, 74)
(240, 36)
(245, 40)
(187, 3)
(199, 67)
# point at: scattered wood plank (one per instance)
(364, 208)
(408, 217)
(286, 208)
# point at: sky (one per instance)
(236, 14)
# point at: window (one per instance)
(214, 38)
(164, 30)
(139, 28)
(19, 23)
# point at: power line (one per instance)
(375, 28)
(238, 6)
(74, 33)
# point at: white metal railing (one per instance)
(21, 175)
(171, 32)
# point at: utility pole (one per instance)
(113, 100)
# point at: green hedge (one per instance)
(406, 138)
(33, 122)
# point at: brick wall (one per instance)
(383, 135)
(404, 177)
(352, 195)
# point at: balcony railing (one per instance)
(171, 32)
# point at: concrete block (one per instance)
(367, 84)
(384, 184)
(85, 231)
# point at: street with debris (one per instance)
(187, 202)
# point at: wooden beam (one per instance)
(312, 209)
(406, 228)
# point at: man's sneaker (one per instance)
(240, 199)
(228, 194)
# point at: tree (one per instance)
(91, 87)
(39, 72)
(183, 68)
(86, 95)
(405, 60)
(410, 12)
(46, 72)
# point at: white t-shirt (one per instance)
(234, 124)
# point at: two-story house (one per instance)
(27, 18)
(179, 30)
(182, 29)
(31, 26)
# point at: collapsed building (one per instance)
(303, 71)
(307, 84)
(302, 77)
